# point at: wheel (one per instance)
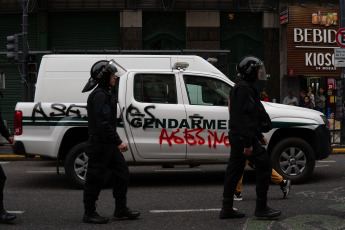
(76, 165)
(293, 159)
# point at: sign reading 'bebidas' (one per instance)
(311, 39)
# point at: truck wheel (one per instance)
(76, 165)
(293, 159)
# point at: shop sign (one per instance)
(284, 17)
(329, 92)
(339, 53)
(332, 99)
(330, 86)
(340, 37)
(291, 72)
(311, 40)
(339, 63)
(339, 57)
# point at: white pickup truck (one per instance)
(171, 109)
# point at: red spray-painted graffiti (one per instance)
(193, 137)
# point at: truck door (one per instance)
(154, 109)
(207, 112)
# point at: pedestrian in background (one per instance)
(264, 96)
(307, 103)
(245, 137)
(5, 217)
(311, 96)
(275, 178)
(104, 146)
(302, 95)
(290, 99)
(321, 101)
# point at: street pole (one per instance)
(342, 25)
(25, 83)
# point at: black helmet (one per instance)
(100, 74)
(102, 69)
(249, 67)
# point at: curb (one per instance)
(12, 157)
(338, 150)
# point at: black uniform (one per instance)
(102, 150)
(4, 132)
(245, 107)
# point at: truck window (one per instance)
(206, 91)
(155, 88)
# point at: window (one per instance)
(155, 88)
(207, 91)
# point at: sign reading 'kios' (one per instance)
(311, 39)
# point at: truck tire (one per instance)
(76, 165)
(294, 159)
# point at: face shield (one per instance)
(110, 67)
(119, 69)
(261, 71)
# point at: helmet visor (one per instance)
(119, 69)
(262, 72)
(111, 67)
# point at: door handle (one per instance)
(137, 114)
(196, 116)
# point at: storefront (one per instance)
(310, 41)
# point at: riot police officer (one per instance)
(5, 217)
(246, 140)
(104, 147)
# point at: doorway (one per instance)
(333, 91)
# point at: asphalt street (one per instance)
(173, 198)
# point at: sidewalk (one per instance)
(6, 149)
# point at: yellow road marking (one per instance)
(12, 156)
(338, 151)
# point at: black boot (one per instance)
(94, 218)
(262, 210)
(6, 217)
(125, 213)
(267, 212)
(122, 212)
(228, 212)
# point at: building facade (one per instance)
(308, 43)
(228, 29)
